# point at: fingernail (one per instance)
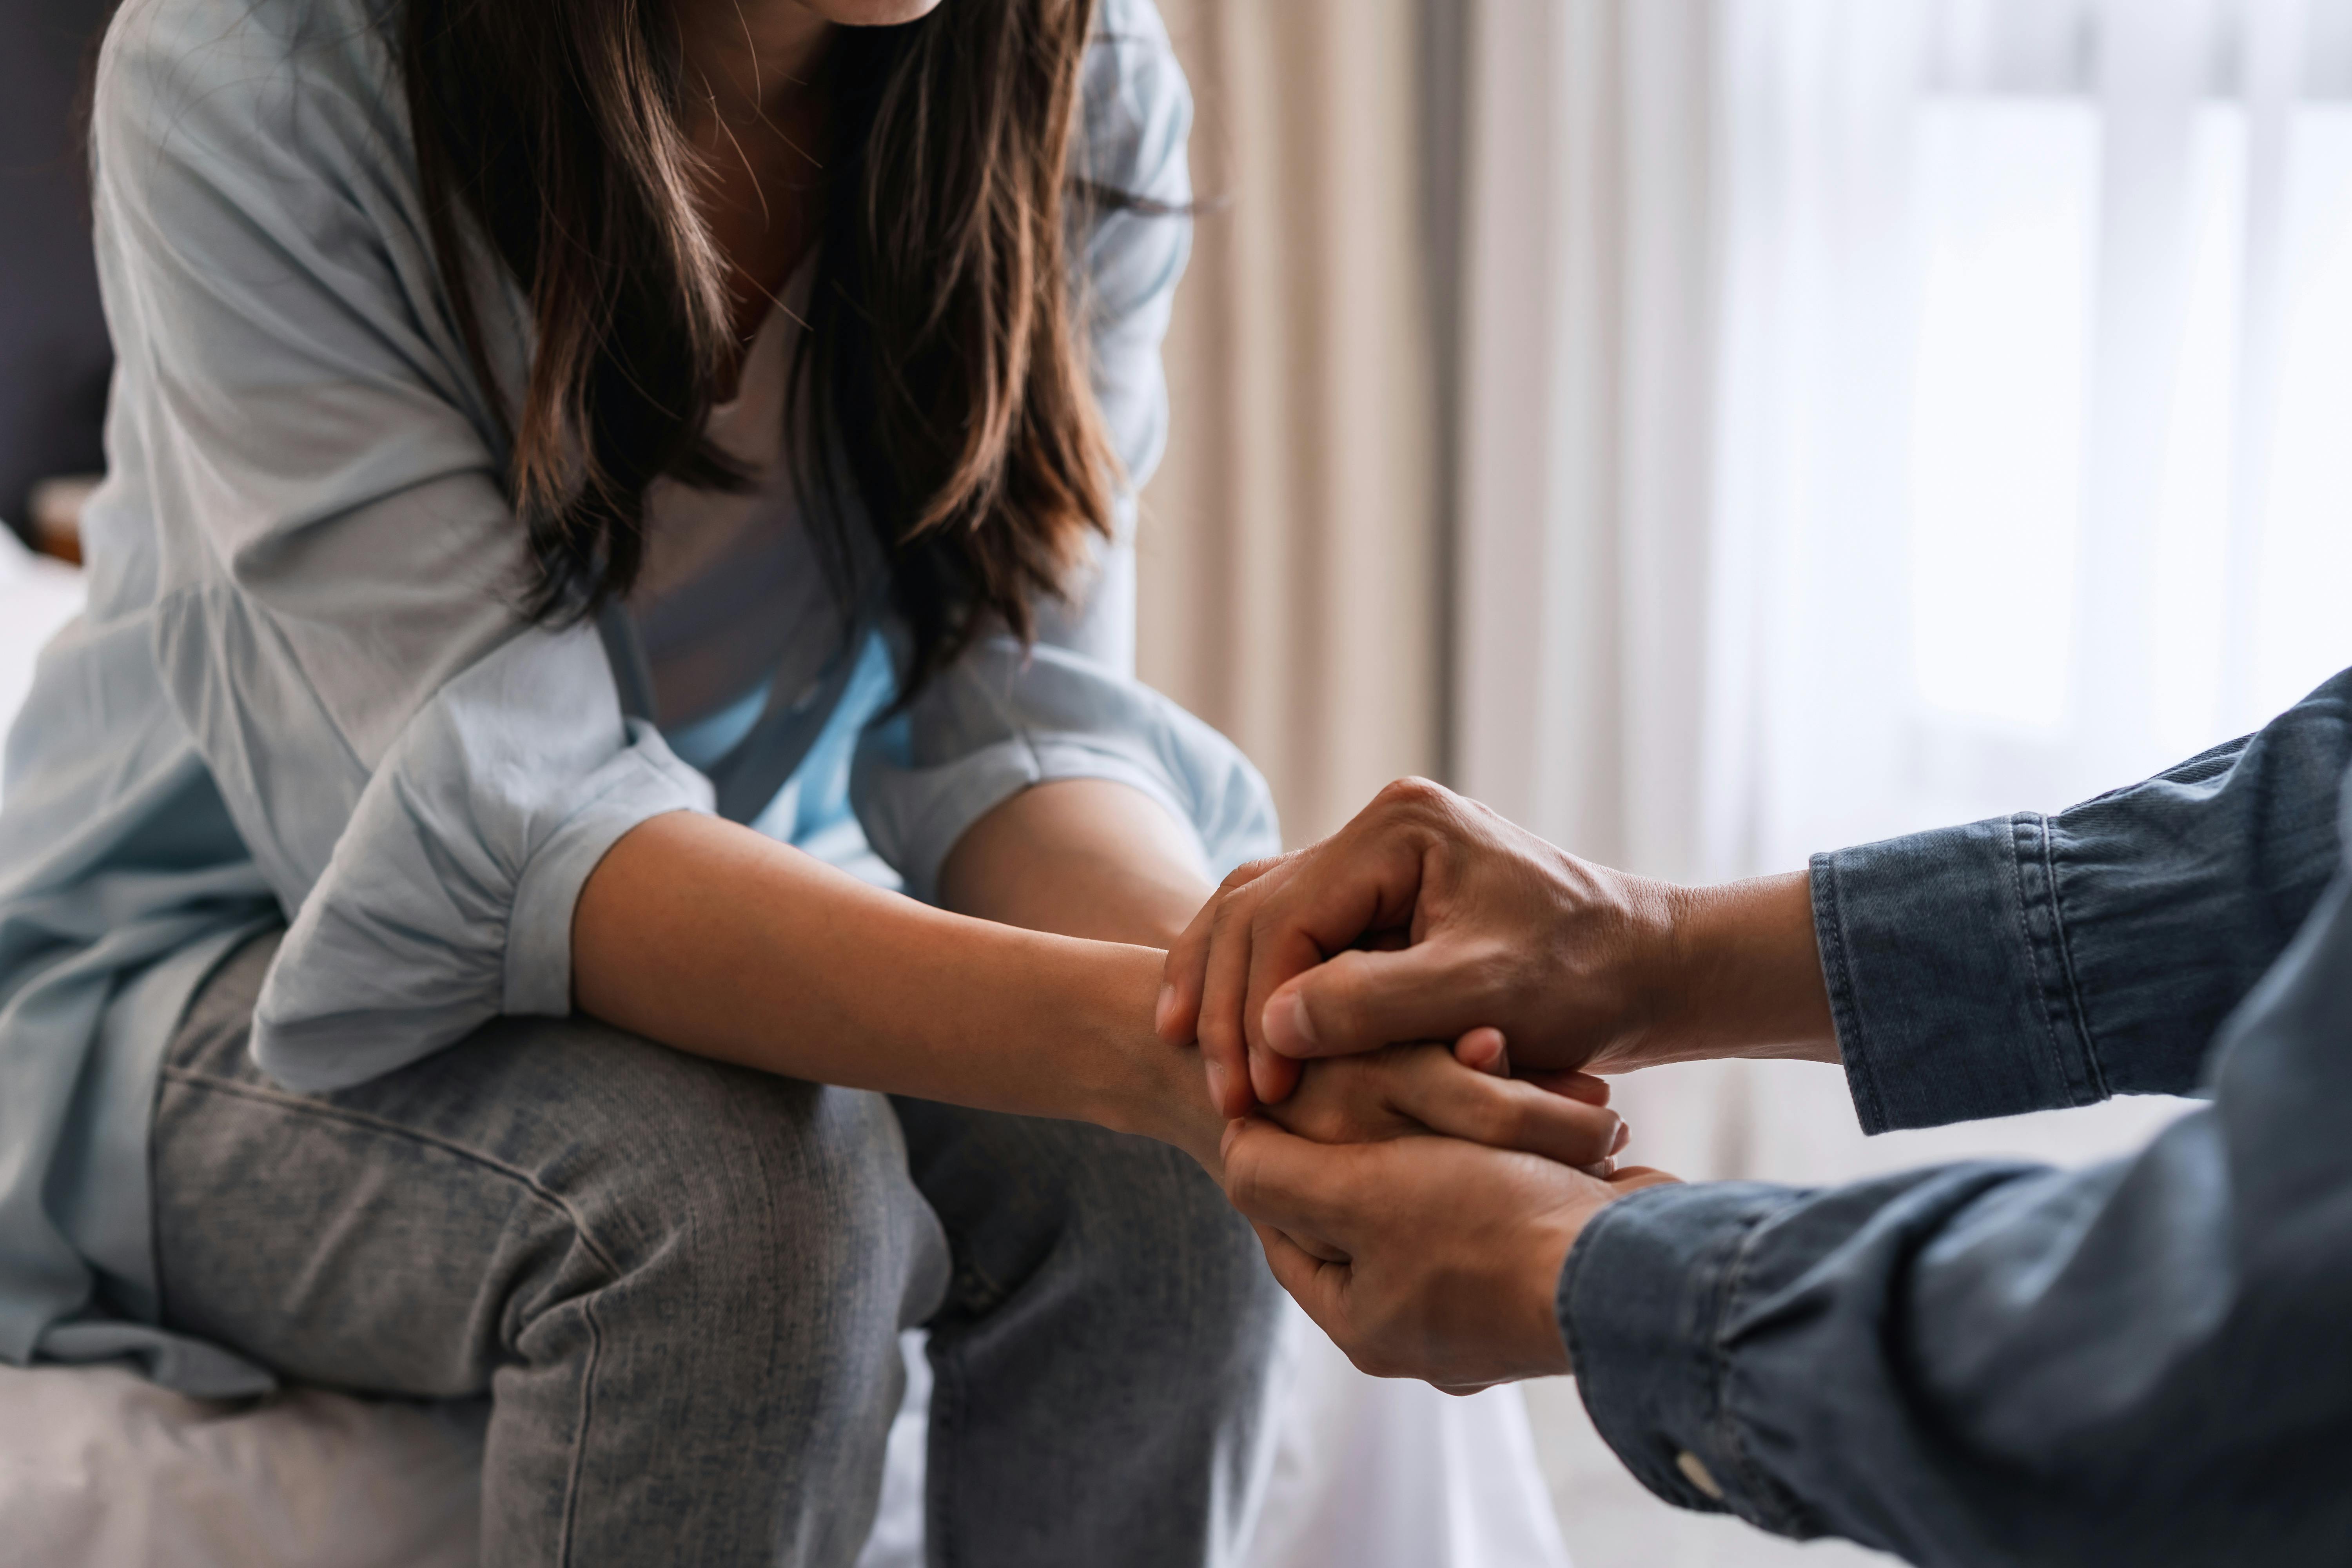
(1299, 1027)
(1162, 1008)
(1217, 1082)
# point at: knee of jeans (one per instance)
(727, 1191)
(1153, 1219)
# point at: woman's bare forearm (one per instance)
(716, 939)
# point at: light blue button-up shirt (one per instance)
(302, 690)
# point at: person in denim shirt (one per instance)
(2142, 1362)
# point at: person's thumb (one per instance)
(1483, 1050)
(1358, 1001)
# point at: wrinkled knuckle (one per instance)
(1227, 909)
(1242, 1178)
(1248, 871)
(1322, 1124)
(1351, 1079)
(1263, 919)
(1416, 797)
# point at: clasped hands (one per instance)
(1433, 1250)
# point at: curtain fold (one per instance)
(1290, 570)
(1885, 413)
(1580, 694)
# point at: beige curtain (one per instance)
(1290, 587)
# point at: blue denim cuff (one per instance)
(1643, 1298)
(1949, 978)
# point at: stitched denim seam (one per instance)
(1771, 1500)
(308, 1107)
(945, 1441)
(155, 1095)
(1844, 1013)
(2060, 937)
(571, 1478)
(154, 1193)
(382, 1126)
(2033, 957)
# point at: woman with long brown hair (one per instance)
(595, 486)
(583, 474)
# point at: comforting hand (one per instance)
(1430, 915)
(1420, 1256)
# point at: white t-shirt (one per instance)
(733, 593)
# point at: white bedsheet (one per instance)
(100, 1469)
(37, 595)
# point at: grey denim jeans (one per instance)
(680, 1285)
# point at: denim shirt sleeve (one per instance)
(2034, 962)
(1004, 717)
(2142, 1362)
(423, 776)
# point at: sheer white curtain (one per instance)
(1881, 413)
(2034, 403)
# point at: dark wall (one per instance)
(53, 349)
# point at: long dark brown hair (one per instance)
(941, 388)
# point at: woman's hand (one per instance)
(1399, 1092)
(1405, 1090)
(1093, 858)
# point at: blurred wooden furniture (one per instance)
(54, 514)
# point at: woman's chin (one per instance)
(872, 13)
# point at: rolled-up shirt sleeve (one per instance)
(424, 775)
(2030, 961)
(1004, 717)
